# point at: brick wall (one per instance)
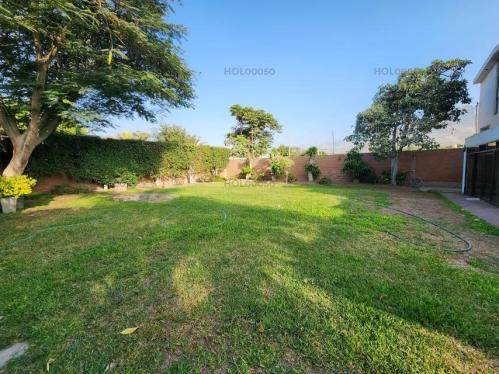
(442, 165)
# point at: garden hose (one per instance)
(466, 248)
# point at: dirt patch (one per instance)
(485, 247)
(425, 205)
(147, 197)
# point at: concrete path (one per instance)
(15, 350)
(479, 208)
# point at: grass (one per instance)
(240, 279)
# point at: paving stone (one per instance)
(11, 352)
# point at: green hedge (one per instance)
(89, 158)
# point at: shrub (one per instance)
(401, 177)
(89, 158)
(125, 176)
(218, 178)
(246, 171)
(356, 168)
(326, 181)
(278, 166)
(313, 169)
(67, 189)
(264, 175)
(16, 186)
(292, 178)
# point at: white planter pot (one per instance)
(310, 177)
(120, 186)
(9, 204)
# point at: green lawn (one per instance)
(240, 279)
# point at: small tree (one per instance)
(311, 152)
(136, 135)
(253, 134)
(404, 114)
(286, 151)
(278, 166)
(313, 170)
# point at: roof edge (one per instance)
(489, 62)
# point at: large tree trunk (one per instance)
(24, 144)
(21, 153)
(394, 169)
(41, 124)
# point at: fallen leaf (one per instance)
(261, 328)
(110, 366)
(129, 330)
(49, 362)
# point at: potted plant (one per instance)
(311, 153)
(12, 190)
(124, 179)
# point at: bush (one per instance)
(292, 178)
(278, 166)
(247, 171)
(356, 168)
(326, 181)
(313, 169)
(16, 186)
(67, 189)
(218, 178)
(125, 176)
(401, 178)
(89, 158)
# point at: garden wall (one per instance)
(437, 166)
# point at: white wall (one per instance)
(486, 115)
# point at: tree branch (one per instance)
(49, 123)
(42, 64)
(8, 123)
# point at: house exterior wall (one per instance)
(488, 91)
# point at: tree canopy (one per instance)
(404, 114)
(253, 134)
(286, 151)
(84, 61)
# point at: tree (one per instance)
(253, 134)
(83, 61)
(286, 151)
(136, 135)
(278, 166)
(404, 114)
(311, 169)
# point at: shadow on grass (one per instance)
(216, 282)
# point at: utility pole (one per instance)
(332, 135)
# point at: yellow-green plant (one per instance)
(17, 186)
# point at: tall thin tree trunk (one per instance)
(394, 169)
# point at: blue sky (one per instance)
(324, 55)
